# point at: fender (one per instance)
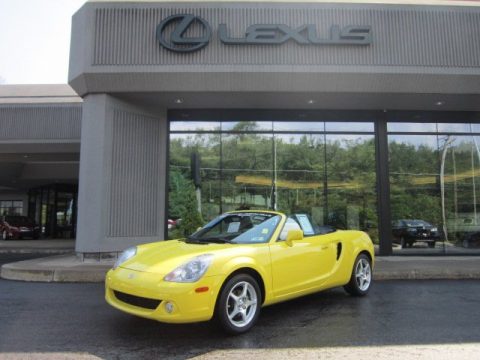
(247, 262)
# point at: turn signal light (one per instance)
(201, 289)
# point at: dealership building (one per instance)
(363, 115)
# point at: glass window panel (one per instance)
(183, 196)
(349, 126)
(476, 128)
(300, 175)
(194, 126)
(453, 127)
(299, 126)
(414, 193)
(351, 183)
(461, 192)
(411, 127)
(247, 166)
(246, 126)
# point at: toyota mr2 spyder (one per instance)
(236, 264)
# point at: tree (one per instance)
(183, 205)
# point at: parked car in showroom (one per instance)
(407, 232)
(236, 264)
(18, 227)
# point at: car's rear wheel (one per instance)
(403, 242)
(361, 278)
(431, 244)
(238, 306)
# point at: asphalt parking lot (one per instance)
(66, 320)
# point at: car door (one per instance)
(303, 266)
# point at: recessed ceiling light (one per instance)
(25, 156)
(310, 101)
(178, 101)
(439, 103)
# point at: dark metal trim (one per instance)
(383, 185)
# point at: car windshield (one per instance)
(238, 228)
(415, 223)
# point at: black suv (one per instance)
(407, 232)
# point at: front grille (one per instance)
(142, 302)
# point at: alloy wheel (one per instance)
(241, 304)
(363, 274)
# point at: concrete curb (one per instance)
(421, 275)
(35, 251)
(69, 268)
(60, 268)
(53, 275)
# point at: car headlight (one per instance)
(124, 256)
(190, 271)
(434, 230)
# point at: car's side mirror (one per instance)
(293, 235)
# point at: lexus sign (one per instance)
(171, 34)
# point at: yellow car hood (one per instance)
(164, 256)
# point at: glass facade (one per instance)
(54, 208)
(321, 168)
(11, 207)
(434, 187)
(327, 166)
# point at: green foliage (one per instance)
(183, 205)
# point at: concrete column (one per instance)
(121, 200)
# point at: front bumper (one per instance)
(188, 305)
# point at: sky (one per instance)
(35, 40)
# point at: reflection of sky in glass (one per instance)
(259, 125)
(415, 140)
(298, 126)
(411, 127)
(444, 127)
(349, 126)
(476, 128)
(194, 125)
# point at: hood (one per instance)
(164, 256)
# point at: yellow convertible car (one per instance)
(236, 264)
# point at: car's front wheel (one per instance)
(238, 306)
(361, 278)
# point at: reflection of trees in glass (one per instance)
(183, 205)
(414, 174)
(351, 178)
(420, 170)
(461, 187)
(238, 171)
(247, 170)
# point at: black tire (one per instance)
(244, 315)
(403, 242)
(4, 235)
(431, 244)
(360, 285)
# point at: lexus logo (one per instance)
(172, 34)
(176, 40)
